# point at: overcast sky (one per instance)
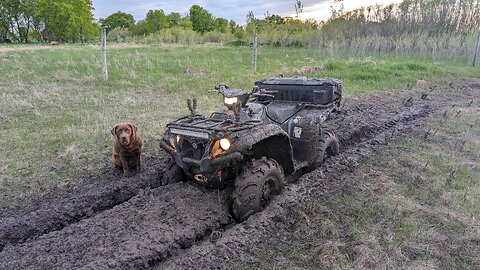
(228, 9)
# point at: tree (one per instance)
(232, 25)
(337, 8)
(17, 17)
(298, 7)
(274, 20)
(174, 19)
(156, 20)
(68, 19)
(254, 24)
(140, 28)
(4, 24)
(221, 25)
(202, 20)
(118, 19)
(185, 23)
(239, 33)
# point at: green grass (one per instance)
(56, 112)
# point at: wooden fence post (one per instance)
(104, 54)
(477, 49)
(255, 52)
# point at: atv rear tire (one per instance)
(328, 146)
(172, 174)
(258, 183)
(337, 106)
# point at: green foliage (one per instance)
(185, 23)
(140, 28)
(118, 19)
(16, 19)
(156, 20)
(202, 20)
(237, 43)
(232, 25)
(67, 19)
(221, 25)
(239, 33)
(119, 34)
(174, 19)
(175, 34)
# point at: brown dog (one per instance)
(127, 149)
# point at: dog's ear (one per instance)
(114, 130)
(134, 131)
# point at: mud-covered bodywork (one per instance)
(194, 144)
(283, 123)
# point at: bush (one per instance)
(119, 34)
(238, 43)
(216, 37)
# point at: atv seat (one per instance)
(282, 111)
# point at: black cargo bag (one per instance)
(320, 91)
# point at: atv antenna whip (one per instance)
(192, 106)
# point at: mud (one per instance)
(60, 208)
(123, 224)
(143, 231)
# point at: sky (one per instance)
(229, 9)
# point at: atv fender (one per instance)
(269, 141)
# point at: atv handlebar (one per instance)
(256, 92)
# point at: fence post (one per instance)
(104, 54)
(477, 49)
(255, 52)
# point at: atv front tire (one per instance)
(172, 174)
(258, 183)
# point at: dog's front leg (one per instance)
(125, 166)
(139, 161)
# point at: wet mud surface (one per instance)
(133, 223)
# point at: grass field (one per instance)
(56, 112)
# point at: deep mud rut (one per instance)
(133, 223)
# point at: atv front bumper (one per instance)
(212, 171)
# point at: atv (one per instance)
(261, 140)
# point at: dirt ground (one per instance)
(113, 222)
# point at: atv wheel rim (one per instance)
(268, 191)
(328, 153)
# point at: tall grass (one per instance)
(426, 28)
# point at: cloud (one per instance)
(230, 9)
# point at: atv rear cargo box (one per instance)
(300, 89)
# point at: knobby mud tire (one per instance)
(172, 174)
(258, 183)
(328, 146)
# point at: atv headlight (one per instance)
(177, 138)
(225, 144)
(230, 100)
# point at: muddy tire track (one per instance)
(63, 207)
(143, 231)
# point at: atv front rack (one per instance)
(200, 123)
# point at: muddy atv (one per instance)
(262, 139)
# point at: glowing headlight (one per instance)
(178, 138)
(225, 144)
(230, 100)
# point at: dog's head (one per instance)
(125, 133)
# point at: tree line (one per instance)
(73, 21)
(45, 20)
(198, 19)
